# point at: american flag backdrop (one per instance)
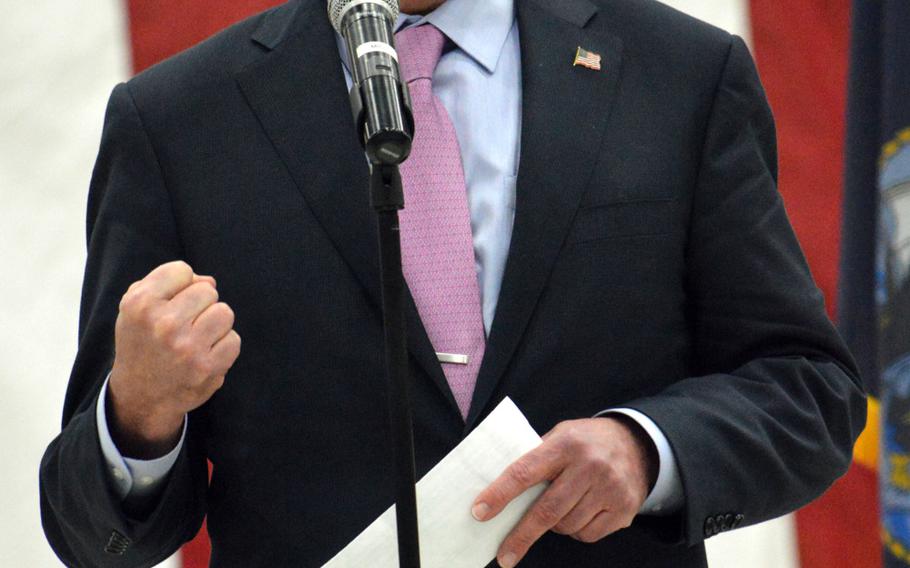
(61, 59)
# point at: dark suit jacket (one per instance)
(652, 266)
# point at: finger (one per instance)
(168, 280)
(581, 515)
(204, 390)
(188, 304)
(549, 509)
(203, 278)
(225, 353)
(214, 323)
(540, 464)
(555, 430)
(600, 526)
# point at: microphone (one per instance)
(379, 98)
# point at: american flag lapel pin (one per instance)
(587, 59)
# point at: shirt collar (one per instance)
(479, 28)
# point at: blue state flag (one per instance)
(874, 305)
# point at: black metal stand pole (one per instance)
(387, 198)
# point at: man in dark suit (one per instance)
(650, 272)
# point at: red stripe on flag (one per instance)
(161, 28)
(196, 553)
(801, 48)
(802, 51)
(841, 529)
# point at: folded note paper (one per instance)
(449, 535)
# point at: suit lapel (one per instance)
(299, 95)
(564, 111)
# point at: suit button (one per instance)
(117, 543)
(728, 522)
(710, 529)
(738, 520)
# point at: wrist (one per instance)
(138, 429)
(647, 453)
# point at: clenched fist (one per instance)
(174, 343)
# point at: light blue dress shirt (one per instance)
(478, 80)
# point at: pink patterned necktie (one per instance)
(437, 248)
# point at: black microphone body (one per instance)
(379, 98)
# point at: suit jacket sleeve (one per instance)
(769, 420)
(130, 230)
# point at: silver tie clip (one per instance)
(454, 358)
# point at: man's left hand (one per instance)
(600, 471)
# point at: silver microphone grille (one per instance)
(338, 8)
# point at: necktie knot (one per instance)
(419, 49)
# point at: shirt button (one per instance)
(118, 473)
(145, 480)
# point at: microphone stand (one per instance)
(385, 153)
(387, 198)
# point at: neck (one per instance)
(419, 7)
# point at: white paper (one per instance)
(449, 535)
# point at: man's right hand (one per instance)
(174, 344)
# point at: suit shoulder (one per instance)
(206, 67)
(665, 44)
(654, 29)
(653, 18)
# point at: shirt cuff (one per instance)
(133, 479)
(667, 496)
